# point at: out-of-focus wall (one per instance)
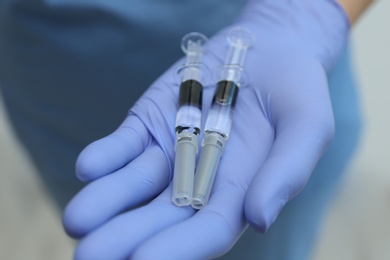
(357, 226)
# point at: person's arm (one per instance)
(355, 8)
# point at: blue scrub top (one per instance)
(70, 70)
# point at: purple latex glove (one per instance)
(283, 123)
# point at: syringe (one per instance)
(220, 116)
(188, 118)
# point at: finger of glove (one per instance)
(209, 233)
(139, 181)
(110, 153)
(302, 135)
(119, 237)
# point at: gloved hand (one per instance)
(283, 123)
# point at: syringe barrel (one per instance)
(220, 116)
(190, 106)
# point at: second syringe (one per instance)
(220, 116)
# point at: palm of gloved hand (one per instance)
(282, 124)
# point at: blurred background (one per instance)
(357, 223)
